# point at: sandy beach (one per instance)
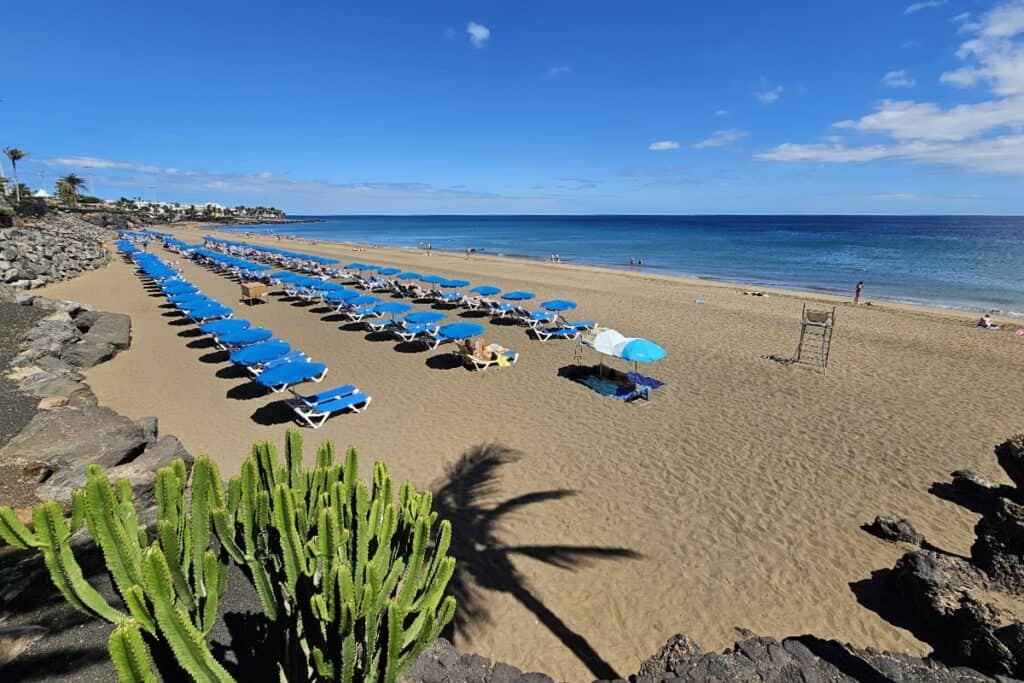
(734, 498)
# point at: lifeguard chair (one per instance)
(816, 326)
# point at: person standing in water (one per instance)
(857, 292)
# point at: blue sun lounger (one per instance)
(434, 338)
(214, 311)
(313, 400)
(545, 333)
(185, 298)
(195, 304)
(282, 376)
(172, 287)
(316, 415)
(535, 319)
(360, 313)
(239, 338)
(224, 326)
(407, 331)
(290, 357)
(262, 353)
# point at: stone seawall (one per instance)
(55, 247)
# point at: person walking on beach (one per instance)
(857, 292)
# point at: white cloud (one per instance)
(109, 175)
(94, 162)
(478, 34)
(995, 52)
(898, 79)
(906, 120)
(558, 71)
(962, 17)
(1002, 154)
(981, 136)
(770, 95)
(835, 152)
(721, 138)
(663, 145)
(926, 4)
(722, 112)
(895, 197)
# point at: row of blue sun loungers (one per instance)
(271, 363)
(543, 325)
(422, 326)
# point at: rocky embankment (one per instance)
(70, 430)
(46, 459)
(968, 609)
(57, 246)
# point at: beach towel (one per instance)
(502, 360)
(645, 381)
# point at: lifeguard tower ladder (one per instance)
(816, 326)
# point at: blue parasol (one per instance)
(363, 300)
(388, 271)
(461, 330)
(518, 295)
(486, 290)
(341, 294)
(393, 307)
(426, 317)
(640, 350)
(558, 305)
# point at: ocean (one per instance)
(971, 262)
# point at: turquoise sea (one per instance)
(973, 262)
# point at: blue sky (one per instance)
(526, 107)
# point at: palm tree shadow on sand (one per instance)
(466, 496)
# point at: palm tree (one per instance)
(71, 183)
(15, 155)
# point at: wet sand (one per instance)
(734, 498)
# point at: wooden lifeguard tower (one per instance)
(816, 326)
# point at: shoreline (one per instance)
(1003, 318)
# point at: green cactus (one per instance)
(352, 579)
(170, 584)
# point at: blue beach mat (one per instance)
(645, 381)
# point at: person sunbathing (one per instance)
(986, 323)
(480, 351)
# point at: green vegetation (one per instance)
(350, 577)
(68, 187)
(15, 155)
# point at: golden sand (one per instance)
(739, 489)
